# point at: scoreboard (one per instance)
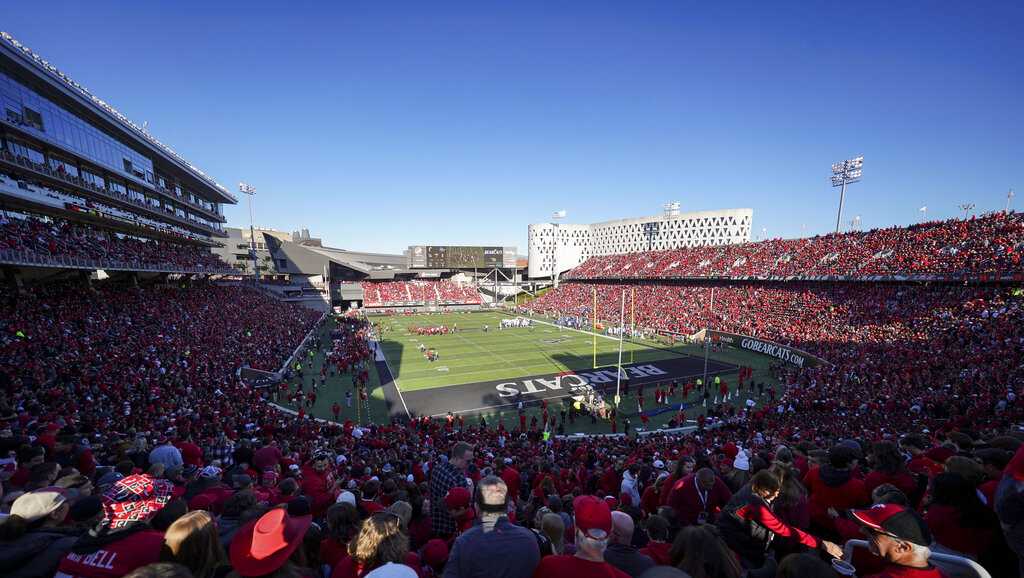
(461, 257)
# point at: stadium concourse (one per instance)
(126, 429)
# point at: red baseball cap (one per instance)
(458, 497)
(592, 513)
(435, 552)
(265, 544)
(897, 521)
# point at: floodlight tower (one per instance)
(845, 173)
(1009, 197)
(554, 252)
(966, 208)
(247, 189)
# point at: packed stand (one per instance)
(45, 238)
(991, 244)
(391, 293)
(134, 450)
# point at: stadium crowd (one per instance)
(986, 245)
(44, 238)
(132, 443)
(390, 293)
(131, 447)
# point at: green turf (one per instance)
(472, 355)
(479, 355)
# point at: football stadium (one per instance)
(185, 393)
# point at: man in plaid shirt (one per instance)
(219, 448)
(445, 475)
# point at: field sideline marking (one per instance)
(394, 379)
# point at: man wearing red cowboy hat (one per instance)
(593, 522)
(897, 534)
(265, 544)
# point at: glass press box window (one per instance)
(39, 116)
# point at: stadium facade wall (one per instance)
(576, 243)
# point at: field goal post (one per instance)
(629, 335)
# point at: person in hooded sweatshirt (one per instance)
(833, 485)
(32, 540)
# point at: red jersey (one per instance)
(562, 566)
(115, 559)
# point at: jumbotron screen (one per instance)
(460, 257)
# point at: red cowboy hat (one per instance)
(264, 545)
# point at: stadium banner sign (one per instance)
(783, 353)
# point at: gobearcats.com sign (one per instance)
(781, 352)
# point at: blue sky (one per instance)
(383, 124)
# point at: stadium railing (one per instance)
(952, 565)
(25, 259)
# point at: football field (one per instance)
(488, 373)
(473, 355)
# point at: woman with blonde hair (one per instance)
(380, 540)
(193, 541)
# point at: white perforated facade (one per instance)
(578, 242)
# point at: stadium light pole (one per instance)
(845, 173)
(924, 213)
(707, 338)
(966, 208)
(554, 251)
(247, 189)
(1009, 197)
(622, 330)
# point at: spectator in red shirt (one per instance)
(319, 483)
(512, 479)
(888, 467)
(191, 454)
(593, 523)
(123, 541)
(959, 521)
(658, 548)
(832, 485)
(699, 498)
(684, 467)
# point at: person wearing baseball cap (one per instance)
(898, 535)
(457, 501)
(32, 541)
(593, 521)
